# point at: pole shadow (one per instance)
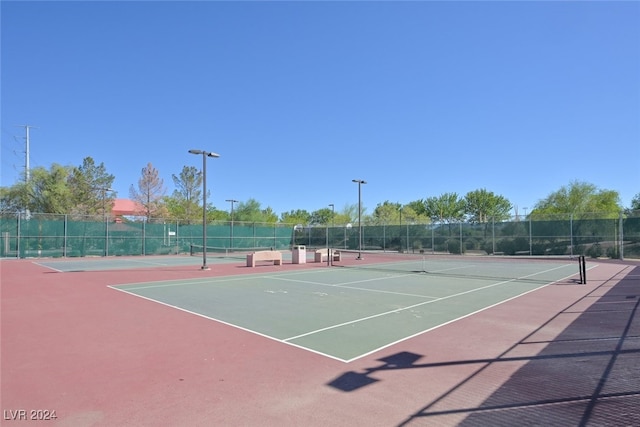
(587, 375)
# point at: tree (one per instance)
(183, 204)
(90, 186)
(251, 211)
(635, 202)
(46, 192)
(50, 192)
(483, 206)
(446, 208)
(579, 198)
(63, 190)
(150, 193)
(14, 199)
(419, 207)
(322, 216)
(386, 213)
(348, 214)
(299, 216)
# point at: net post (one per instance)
(583, 270)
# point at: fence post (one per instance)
(571, 233)
(433, 239)
(530, 238)
(144, 236)
(493, 235)
(64, 238)
(621, 250)
(18, 237)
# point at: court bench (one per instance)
(275, 256)
(321, 254)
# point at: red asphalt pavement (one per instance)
(99, 357)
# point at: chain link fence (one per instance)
(593, 235)
(47, 235)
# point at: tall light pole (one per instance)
(333, 222)
(205, 154)
(360, 182)
(333, 215)
(231, 238)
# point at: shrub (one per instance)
(595, 251)
(453, 246)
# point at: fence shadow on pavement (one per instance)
(586, 375)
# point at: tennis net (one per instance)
(538, 269)
(223, 252)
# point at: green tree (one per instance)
(635, 202)
(348, 214)
(483, 206)
(46, 192)
(14, 199)
(299, 216)
(579, 198)
(62, 189)
(386, 213)
(183, 203)
(90, 186)
(214, 214)
(420, 209)
(322, 216)
(251, 211)
(50, 192)
(446, 208)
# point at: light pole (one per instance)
(333, 215)
(232, 201)
(205, 154)
(333, 222)
(360, 182)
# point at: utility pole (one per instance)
(27, 169)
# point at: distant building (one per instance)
(126, 207)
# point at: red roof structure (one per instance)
(126, 207)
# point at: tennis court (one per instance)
(126, 263)
(347, 313)
(433, 340)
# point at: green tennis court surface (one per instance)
(346, 313)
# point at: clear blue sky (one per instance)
(299, 98)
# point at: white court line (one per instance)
(228, 324)
(463, 317)
(287, 340)
(341, 285)
(351, 322)
(208, 280)
(49, 267)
